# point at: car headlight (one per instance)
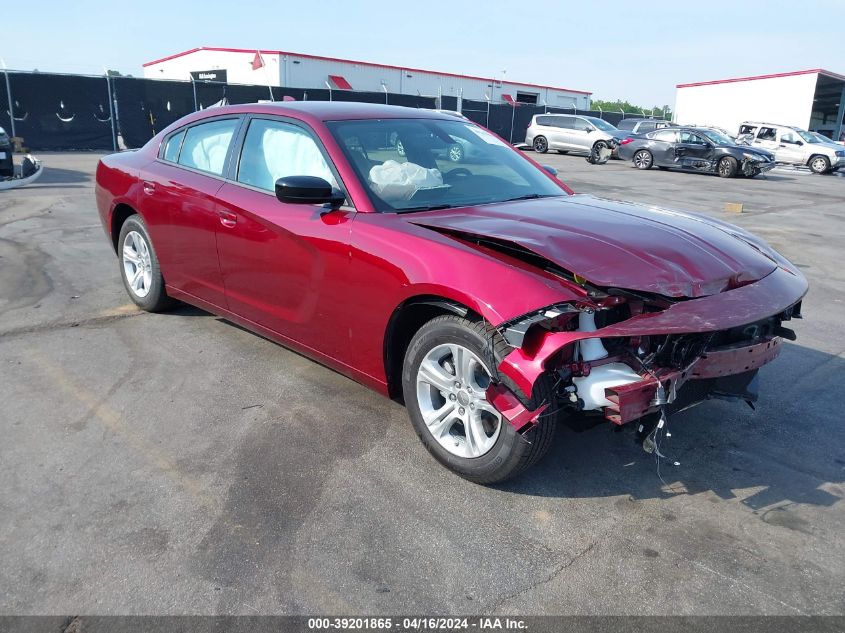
(840, 153)
(751, 156)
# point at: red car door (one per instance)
(179, 203)
(284, 265)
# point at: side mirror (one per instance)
(307, 190)
(550, 169)
(588, 129)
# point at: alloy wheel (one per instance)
(137, 264)
(451, 392)
(642, 160)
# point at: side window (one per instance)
(566, 122)
(627, 124)
(667, 136)
(789, 137)
(206, 145)
(646, 126)
(172, 147)
(691, 139)
(583, 124)
(273, 149)
(747, 129)
(766, 134)
(543, 120)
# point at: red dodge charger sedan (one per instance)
(471, 284)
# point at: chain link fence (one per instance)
(52, 111)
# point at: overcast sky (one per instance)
(630, 50)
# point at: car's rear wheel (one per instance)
(456, 153)
(819, 164)
(139, 267)
(449, 364)
(541, 145)
(727, 167)
(643, 159)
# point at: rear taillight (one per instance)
(626, 141)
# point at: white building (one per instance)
(297, 70)
(809, 99)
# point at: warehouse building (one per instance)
(297, 70)
(809, 99)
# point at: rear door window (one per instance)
(667, 136)
(627, 124)
(646, 126)
(206, 145)
(766, 134)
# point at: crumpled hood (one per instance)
(618, 244)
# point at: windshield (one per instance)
(812, 137)
(718, 138)
(603, 125)
(423, 164)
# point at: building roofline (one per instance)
(353, 61)
(812, 71)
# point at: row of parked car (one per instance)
(648, 143)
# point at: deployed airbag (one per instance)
(400, 181)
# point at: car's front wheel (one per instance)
(643, 159)
(449, 364)
(541, 145)
(819, 164)
(139, 266)
(727, 167)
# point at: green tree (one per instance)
(629, 108)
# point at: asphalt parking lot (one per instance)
(175, 463)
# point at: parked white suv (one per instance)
(794, 146)
(571, 133)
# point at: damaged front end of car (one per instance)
(623, 355)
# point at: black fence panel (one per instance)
(297, 94)
(61, 112)
(147, 106)
(5, 119)
(413, 101)
(448, 103)
(360, 97)
(53, 111)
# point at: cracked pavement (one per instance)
(177, 464)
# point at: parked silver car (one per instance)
(641, 126)
(571, 133)
(794, 146)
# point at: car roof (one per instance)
(328, 110)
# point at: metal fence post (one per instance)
(11, 102)
(111, 113)
(513, 116)
(194, 87)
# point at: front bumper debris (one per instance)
(637, 399)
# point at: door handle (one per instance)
(228, 219)
(149, 187)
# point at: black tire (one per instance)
(456, 153)
(541, 145)
(819, 164)
(643, 159)
(597, 147)
(512, 453)
(156, 299)
(727, 167)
